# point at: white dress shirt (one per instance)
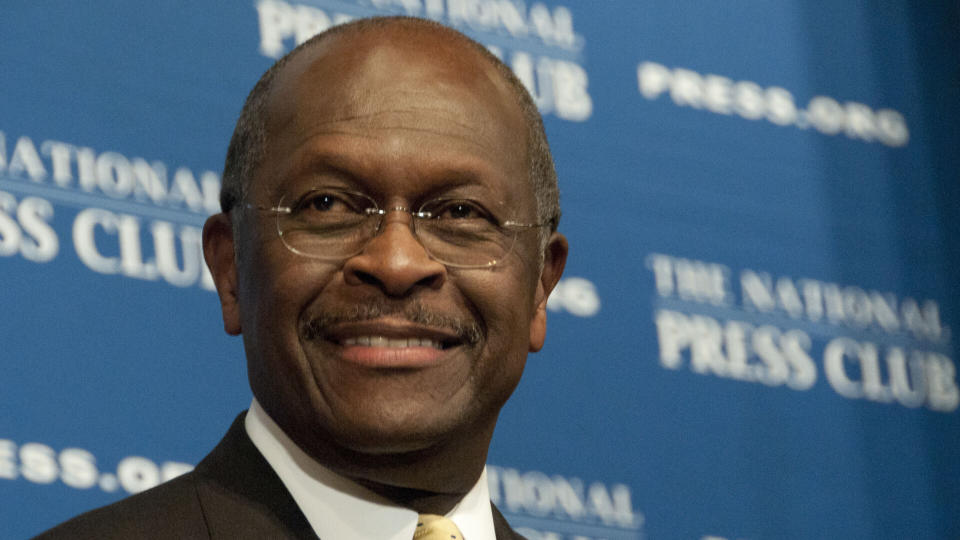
(338, 508)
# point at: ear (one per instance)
(554, 260)
(218, 252)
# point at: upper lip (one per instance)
(391, 328)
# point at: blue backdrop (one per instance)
(753, 338)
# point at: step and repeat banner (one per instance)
(754, 335)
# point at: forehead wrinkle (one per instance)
(365, 124)
(368, 132)
(415, 111)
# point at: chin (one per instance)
(392, 437)
(417, 429)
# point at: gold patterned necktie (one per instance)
(434, 527)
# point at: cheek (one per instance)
(276, 288)
(505, 303)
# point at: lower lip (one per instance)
(392, 357)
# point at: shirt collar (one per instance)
(338, 508)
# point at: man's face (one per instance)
(404, 122)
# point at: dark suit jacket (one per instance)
(233, 493)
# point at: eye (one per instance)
(329, 202)
(458, 210)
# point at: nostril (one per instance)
(431, 282)
(367, 278)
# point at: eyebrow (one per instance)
(324, 164)
(441, 179)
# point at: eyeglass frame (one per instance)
(510, 225)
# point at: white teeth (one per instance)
(394, 343)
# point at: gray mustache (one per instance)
(468, 331)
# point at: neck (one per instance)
(430, 481)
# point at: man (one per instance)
(386, 248)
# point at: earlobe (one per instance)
(555, 258)
(218, 252)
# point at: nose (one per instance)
(394, 260)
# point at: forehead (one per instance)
(414, 96)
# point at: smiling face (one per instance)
(387, 352)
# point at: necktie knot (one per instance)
(434, 527)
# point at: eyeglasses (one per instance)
(333, 224)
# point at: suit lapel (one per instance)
(242, 497)
(502, 528)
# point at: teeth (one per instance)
(381, 341)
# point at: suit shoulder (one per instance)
(170, 510)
